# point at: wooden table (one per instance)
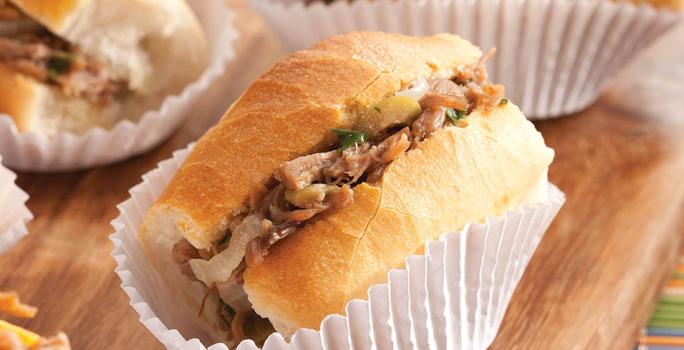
(591, 284)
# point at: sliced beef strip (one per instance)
(487, 95)
(476, 73)
(429, 121)
(303, 171)
(9, 12)
(10, 48)
(479, 91)
(258, 247)
(445, 93)
(181, 253)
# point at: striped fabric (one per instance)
(665, 330)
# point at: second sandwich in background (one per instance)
(332, 167)
(73, 65)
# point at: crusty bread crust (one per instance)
(18, 96)
(457, 176)
(53, 14)
(288, 112)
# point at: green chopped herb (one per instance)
(349, 138)
(377, 109)
(59, 64)
(454, 114)
(225, 238)
(227, 312)
(503, 102)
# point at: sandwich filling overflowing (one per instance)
(30, 49)
(303, 188)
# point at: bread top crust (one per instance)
(457, 176)
(288, 112)
(53, 14)
(17, 97)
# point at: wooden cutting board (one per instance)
(591, 284)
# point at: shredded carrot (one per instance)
(9, 303)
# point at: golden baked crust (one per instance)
(297, 102)
(457, 176)
(17, 97)
(53, 14)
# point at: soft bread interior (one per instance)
(457, 176)
(157, 46)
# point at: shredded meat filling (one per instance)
(445, 93)
(44, 57)
(8, 12)
(298, 173)
(367, 158)
(429, 121)
(181, 254)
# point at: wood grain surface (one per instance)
(591, 284)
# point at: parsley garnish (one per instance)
(59, 64)
(454, 114)
(503, 102)
(349, 138)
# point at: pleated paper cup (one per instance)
(653, 84)
(13, 211)
(555, 57)
(97, 146)
(455, 295)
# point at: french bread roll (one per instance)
(492, 161)
(155, 47)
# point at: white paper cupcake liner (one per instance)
(554, 56)
(453, 297)
(97, 146)
(13, 211)
(656, 76)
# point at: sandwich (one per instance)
(331, 168)
(72, 65)
(13, 337)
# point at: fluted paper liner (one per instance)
(97, 146)
(453, 297)
(13, 211)
(554, 56)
